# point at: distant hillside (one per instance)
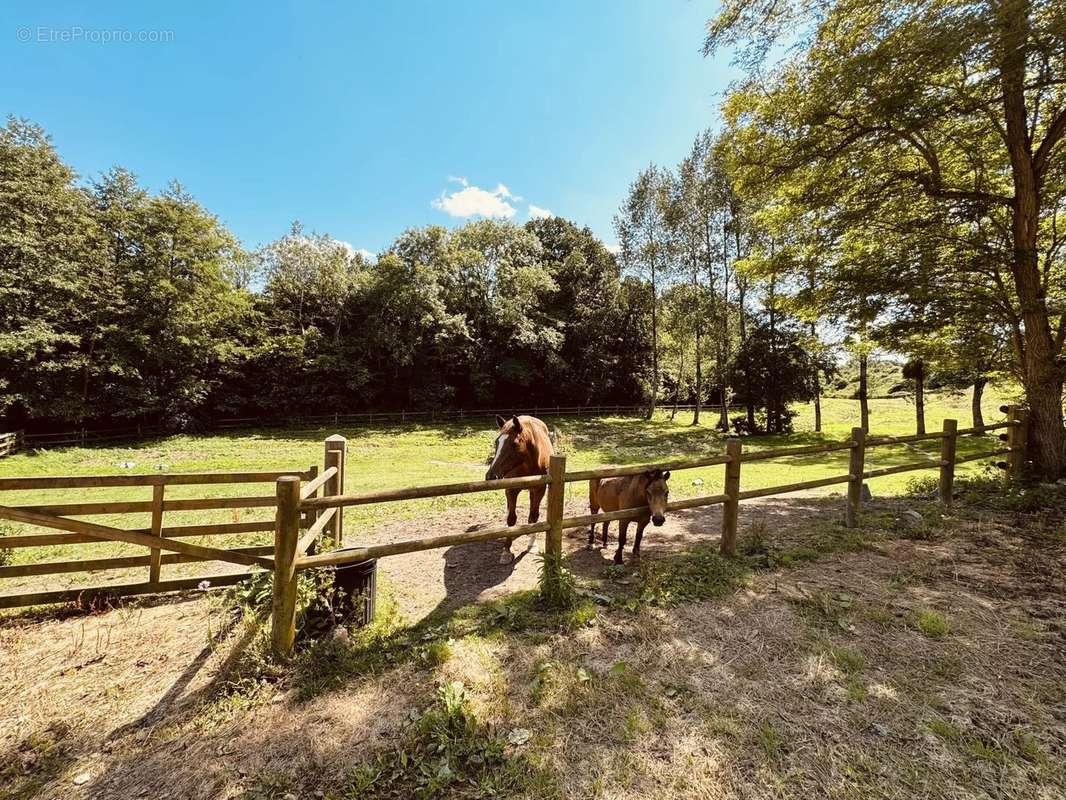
(885, 378)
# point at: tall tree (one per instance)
(643, 234)
(51, 262)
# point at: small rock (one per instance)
(698, 482)
(518, 736)
(82, 778)
(288, 796)
(879, 729)
(912, 516)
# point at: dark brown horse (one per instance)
(523, 448)
(631, 491)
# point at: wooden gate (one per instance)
(163, 544)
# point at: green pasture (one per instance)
(395, 456)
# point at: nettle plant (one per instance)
(320, 604)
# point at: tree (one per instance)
(182, 312)
(51, 262)
(960, 102)
(772, 370)
(644, 237)
(595, 363)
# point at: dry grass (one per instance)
(814, 676)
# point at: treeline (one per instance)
(121, 305)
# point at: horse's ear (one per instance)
(500, 421)
(517, 424)
(666, 475)
(649, 474)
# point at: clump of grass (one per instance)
(723, 725)
(1028, 747)
(558, 589)
(436, 653)
(988, 490)
(7, 554)
(769, 740)
(932, 624)
(944, 729)
(39, 759)
(274, 785)
(848, 661)
(698, 574)
(448, 752)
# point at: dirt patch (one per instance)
(440, 580)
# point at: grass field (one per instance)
(393, 456)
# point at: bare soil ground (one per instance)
(922, 662)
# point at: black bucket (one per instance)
(358, 583)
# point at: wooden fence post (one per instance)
(311, 515)
(947, 461)
(1017, 439)
(286, 535)
(336, 451)
(155, 564)
(731, 507)
(856, 466)
(553, 540)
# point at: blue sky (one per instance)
(359, 119)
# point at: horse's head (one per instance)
(512, 443)
(656, 492)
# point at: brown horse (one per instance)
(523, 448)
(631, 491)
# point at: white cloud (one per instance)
(503, 191)
(461, 181)
(615, 249)
(473, 201)
(536, 212)
(349, 248)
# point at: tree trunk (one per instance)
(817, 404)
(978, 415)
(817, 381)
(864, 401)
(654, 342)
(1043, 377)
(919, 396)
(699, 337)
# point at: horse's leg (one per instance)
(536, 494)
(606, 525)
(594, 508)
(512, 501)
(622, 526)
(512, 517)
(640, 535)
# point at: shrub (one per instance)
(932, 624)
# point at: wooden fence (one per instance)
(295, 505)
(165, 544)
(10, 443)
(308, 509)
